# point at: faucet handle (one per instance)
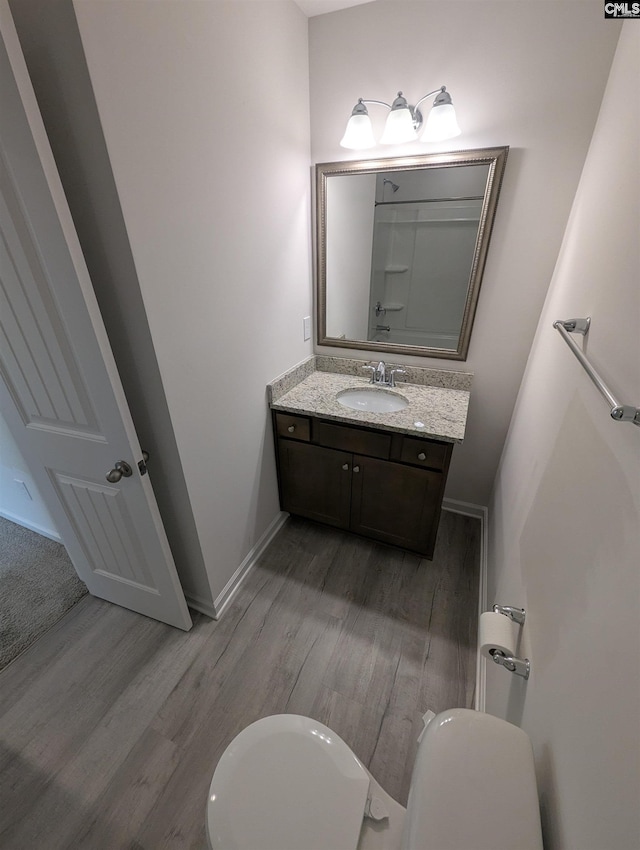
(373, 372)
(397, 370)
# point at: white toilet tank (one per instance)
(473, 786)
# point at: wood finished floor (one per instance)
(111, 725)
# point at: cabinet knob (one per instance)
(422, 456)
(356, 469)
(345, 466)
(291, 429)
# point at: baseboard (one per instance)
(482, 513)
(32, 526)
(466, 508)
(231, 587)
(204, 606)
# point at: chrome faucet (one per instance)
(383, 375)
(377, 372)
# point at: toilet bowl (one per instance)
(287, 782)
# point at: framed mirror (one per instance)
(401, 248)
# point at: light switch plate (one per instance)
(306, 327)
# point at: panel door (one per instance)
(315, 482)
(395, 503)
(60, 391)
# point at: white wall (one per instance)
(565, 513)
(529, 75)
(204, 108)
(20, 499)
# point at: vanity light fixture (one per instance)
(403, 122)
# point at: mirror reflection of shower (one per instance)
(424, 238)
(393, 185)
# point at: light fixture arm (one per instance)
(378, 102)
(442, 96)
(441, 90)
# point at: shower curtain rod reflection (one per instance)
(619, 412)
(430, 200)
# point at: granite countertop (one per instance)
(439, 412)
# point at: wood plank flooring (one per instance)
(111, 725)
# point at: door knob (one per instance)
(121, 469)
(345, 466)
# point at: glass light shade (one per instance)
(359, 133)
(441, 124)
(399, 127)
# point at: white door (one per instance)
(59, 388)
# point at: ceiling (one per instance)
(311, 8)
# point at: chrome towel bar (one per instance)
(619, 412)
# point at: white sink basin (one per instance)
(372, 399)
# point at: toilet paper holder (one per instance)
(518, 615)
(519, 666)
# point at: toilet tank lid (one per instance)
(473, 786)
(287, 782)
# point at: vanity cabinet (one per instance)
(379, 484)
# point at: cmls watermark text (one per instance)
(621, 10)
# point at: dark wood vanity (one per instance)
(383, 485)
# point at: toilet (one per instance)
(287, 782)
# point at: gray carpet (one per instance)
(38, 585)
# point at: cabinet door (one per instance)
(395, 503)
(315, 482)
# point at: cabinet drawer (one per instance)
(349, 439)
(425, 453)
(293, 427)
